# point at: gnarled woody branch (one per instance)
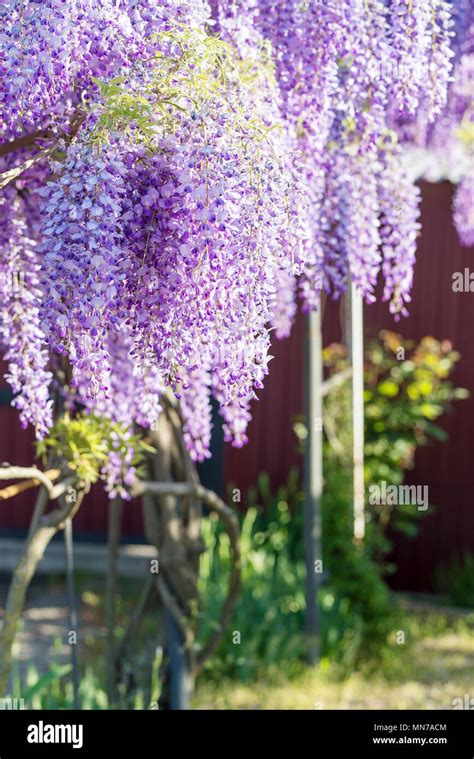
(8, 176)
(30, 141)
(231, 525)
(32, 476)
(25, 141)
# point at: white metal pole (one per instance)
(314, 485)
(355, 344)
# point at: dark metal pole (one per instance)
(113, 545)
(68, 545)
(314, 485)
(178, 695)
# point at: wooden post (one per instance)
(313, 485)
(355, 344)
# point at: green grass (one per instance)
(437, 667)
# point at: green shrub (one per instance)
(406, 390)
(269, 614)
(358, 614)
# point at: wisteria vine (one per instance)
(175, 173)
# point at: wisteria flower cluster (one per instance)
(350, 73)
(448, 141)
(174, 174)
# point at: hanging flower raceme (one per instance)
(21, 335)
(421, 32)
(410, 42)
(399, 206)
(464, 210)
(82, 260)
(448, 140)
(196, 410)
(50, 50)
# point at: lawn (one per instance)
(428, 673)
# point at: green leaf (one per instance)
(55, 673)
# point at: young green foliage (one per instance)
(85, 442)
